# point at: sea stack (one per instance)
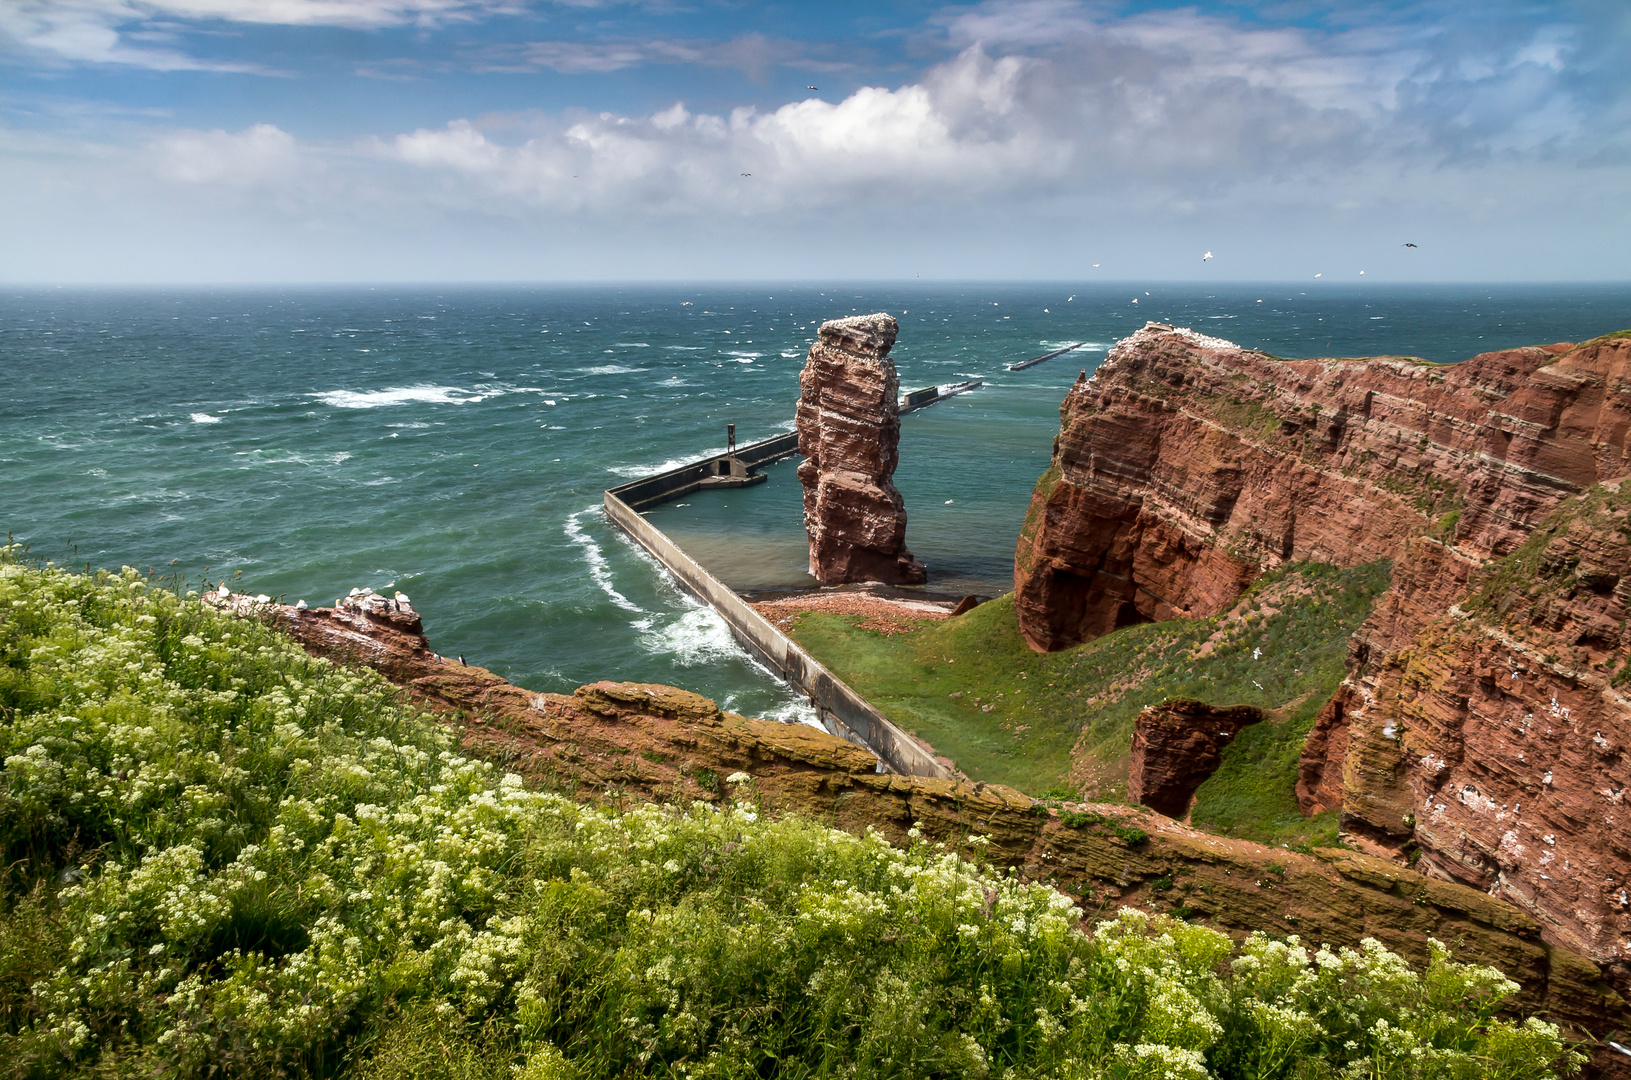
(849, 434)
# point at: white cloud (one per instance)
(1052, 123)
(260, 154)
(110, 31)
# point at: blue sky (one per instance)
(223, 141)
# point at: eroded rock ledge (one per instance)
(1176, 746)
(615, 741)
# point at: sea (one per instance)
(453, 443)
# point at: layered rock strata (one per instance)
(1187, 466)
(849, 435)
(1176, 746)
(1485, 721)
(652, 742)
(1482, 727)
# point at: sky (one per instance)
(260, 141)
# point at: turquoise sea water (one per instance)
(454, 443)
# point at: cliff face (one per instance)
(1480, 729)
(1186, 466)
(652, 742)
(849, 434)
(1485, 725)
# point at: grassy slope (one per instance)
(1086, 698)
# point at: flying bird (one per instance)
(812, 88)
(1208, 255)
(747, 174)
(1410, 245)
(1319, 275)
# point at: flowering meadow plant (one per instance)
(225, 857)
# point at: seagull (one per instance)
(1208, 255)
(747, 174)
(812, 88)
(1410, 245)
(1135, 299)
(1319, 275)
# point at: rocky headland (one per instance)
(1481, 731)
(849, 435)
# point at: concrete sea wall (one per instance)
(842, 710)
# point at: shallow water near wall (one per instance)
(454, 443)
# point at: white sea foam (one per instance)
(796, 711)
(596, 559)
(610, 369)
(634, 471)
(403, 395)
(794, 355)
(634, 344)
(686, 348)
(695, 638)
(204, 418)
(749, 355)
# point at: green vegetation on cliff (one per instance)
(225, 858)
(1005, 714)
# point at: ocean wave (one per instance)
(403, 395)
(599, 570)
(749, 355)
(636, 471)
(686, 348)
(695, 638)
(203, 418)
(609, 369)
(794, 712)
(633, 344)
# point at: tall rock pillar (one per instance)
(849, 434)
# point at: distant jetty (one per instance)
(1033, 361)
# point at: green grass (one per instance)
(1066, 718)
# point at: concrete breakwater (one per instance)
(1033, 361)
(843, 712)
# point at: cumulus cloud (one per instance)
(957, 132)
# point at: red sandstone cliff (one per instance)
(1485, 720)
(1480, 729)
(849, 434)
(1186, 466)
